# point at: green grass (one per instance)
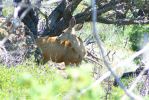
(31, 82)
(34, 82)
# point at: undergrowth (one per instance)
(29, 81)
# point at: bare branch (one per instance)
(122, 21)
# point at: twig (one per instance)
(137, 80)
(93, 60)
(93, 56)
(94, 15)
(107, 64)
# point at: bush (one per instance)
(32, 82)
(136, 36)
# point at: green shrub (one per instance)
(136, 36)
(8, 10)
(36, 83)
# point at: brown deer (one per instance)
(67, 47)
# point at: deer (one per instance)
(67, 47)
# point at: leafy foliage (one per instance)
(136, 36)
(32, 82)
(42, 82)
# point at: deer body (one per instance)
(67, 48)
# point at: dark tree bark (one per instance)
(1, 8)
(60, 17)
(108, 12)
(132, 74)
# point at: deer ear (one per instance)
(78, 27)
(72, 22)
(80, 39)
(69, 44)
(66, 43)
(62, 42)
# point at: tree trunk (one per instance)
(1, 8)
